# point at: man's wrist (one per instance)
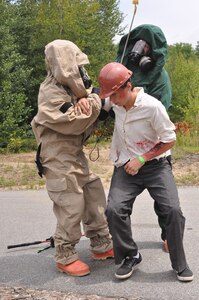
(141, 159)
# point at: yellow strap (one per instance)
(136, 2)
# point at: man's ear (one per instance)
(129, 85)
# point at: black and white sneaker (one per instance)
(185, 275)
(128, 266)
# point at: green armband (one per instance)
(141, 159)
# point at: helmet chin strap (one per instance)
(135, 2)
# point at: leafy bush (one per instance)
(18, 145)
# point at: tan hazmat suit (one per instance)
(77, 193)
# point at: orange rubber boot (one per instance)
(104, 255)
(76, 268)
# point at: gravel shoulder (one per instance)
(8, 293)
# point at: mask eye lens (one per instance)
(138, 55)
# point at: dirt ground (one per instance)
(185, 168)
(21, 167)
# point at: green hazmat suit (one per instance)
(156, 81)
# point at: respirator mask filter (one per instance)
(85, 78)
(138, 56)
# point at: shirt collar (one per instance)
(139, 96)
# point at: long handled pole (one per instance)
(135, 2)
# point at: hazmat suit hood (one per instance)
(154, 36)
(61, 90)
(63, 59)
(156, 81)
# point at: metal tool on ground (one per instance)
(48, 240)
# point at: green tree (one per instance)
(197, 49)
(25, 32)
(13, 77)
(40, 22)
(182, 48)
(26, 26)
(183, 68)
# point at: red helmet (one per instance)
(111, 77)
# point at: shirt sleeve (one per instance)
(162, 124)
(66, 121)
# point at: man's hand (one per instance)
(82, 107)
(133, 166)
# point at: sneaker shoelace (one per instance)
(127, 262)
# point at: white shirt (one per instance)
(139, 129)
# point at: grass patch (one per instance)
(18, 171)
(20, 175)
(187, 180)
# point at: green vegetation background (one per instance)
(26, 26)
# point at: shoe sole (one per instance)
(102, 258)
(129, 274)
(185, 279)
(75, 275)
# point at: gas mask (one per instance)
(85, 78)
(138, 56)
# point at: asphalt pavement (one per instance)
(26, 216)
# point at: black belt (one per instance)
(149, 161)
(155, 160)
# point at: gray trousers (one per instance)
(155, 176)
